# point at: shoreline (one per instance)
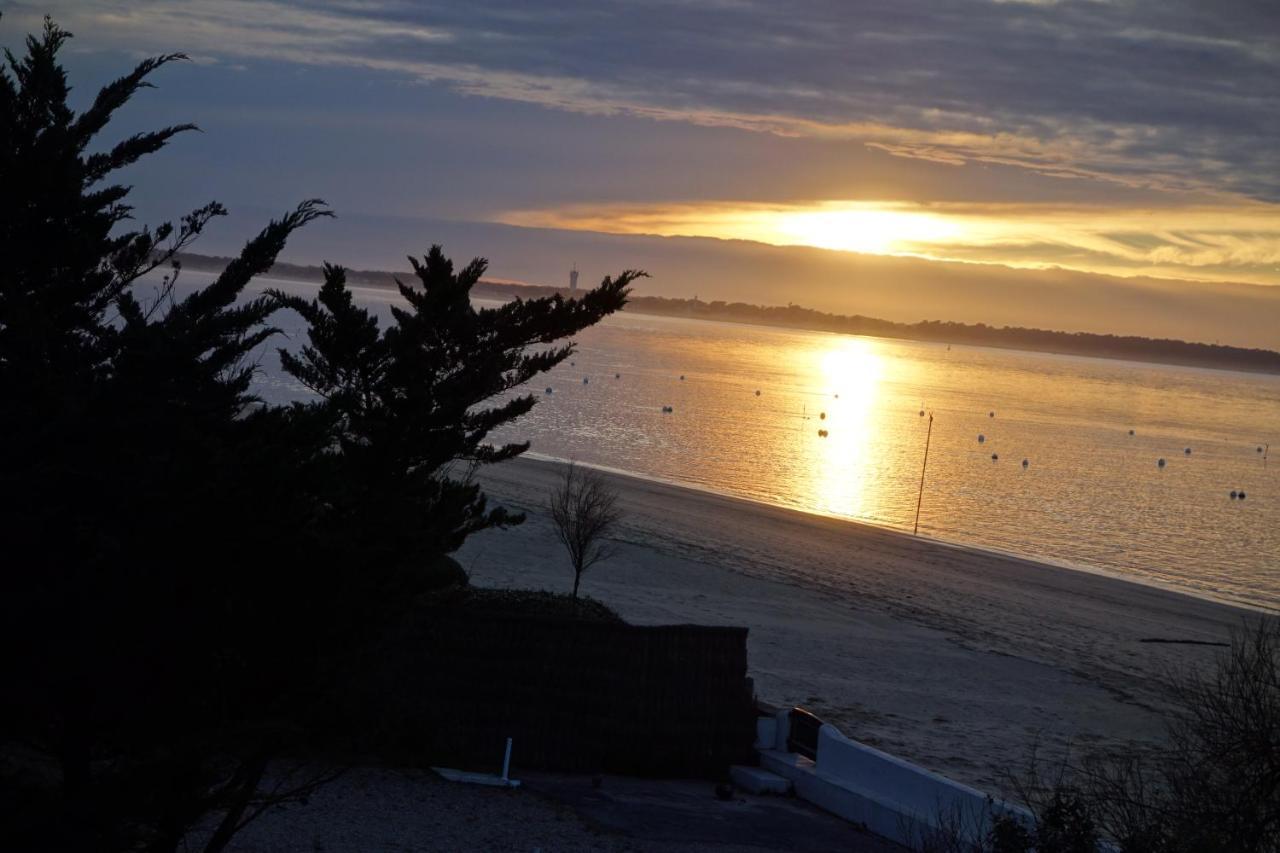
(958, 659)
(975, 550)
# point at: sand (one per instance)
(955, 658)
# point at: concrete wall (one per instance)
(890, 796)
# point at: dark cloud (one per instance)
(1167, 93)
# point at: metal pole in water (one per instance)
(920, 496)
(506, 761)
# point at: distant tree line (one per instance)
(1131, 347)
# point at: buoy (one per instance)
(822, 416)
(1025, 463)
(617, 376)
(981, 438)
(548, 389)
(681, 377)
(991, 414)
(1130, 432)
(995, 457)
(922, 413)
(1187, 451)
(837, 396)
(1160, 462)
(757, 392)
(1233, 494)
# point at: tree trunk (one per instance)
(75, 751)
(76, 779)
(251, 775)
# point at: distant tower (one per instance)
(573, 279)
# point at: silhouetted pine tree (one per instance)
(411, 408)
(182, 566)
(132, 486)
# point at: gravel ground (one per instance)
(368, 810)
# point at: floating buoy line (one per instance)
(1262, 450)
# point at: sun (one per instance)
(867, 229)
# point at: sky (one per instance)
(1080, 148)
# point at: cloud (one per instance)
(1171, 94)
(1240, 242)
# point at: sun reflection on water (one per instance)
(841, 478)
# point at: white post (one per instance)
(782, 730)
(506, 761)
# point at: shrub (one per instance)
(1212, 786)
(444, 573)
(533, 604)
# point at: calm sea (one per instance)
(748, 404)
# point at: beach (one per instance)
(958, 659)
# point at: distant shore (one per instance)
(958, 659)
(1128, 348)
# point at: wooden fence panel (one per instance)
(575, 696)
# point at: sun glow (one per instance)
(1208, 242)
(869, 229)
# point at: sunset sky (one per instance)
(1129, 138)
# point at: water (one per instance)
(1092, 495)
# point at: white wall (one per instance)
(890, 796)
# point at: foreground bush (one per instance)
(1213, 786)
(529, 604)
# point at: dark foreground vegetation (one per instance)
(192, 579)
(1129, 347)
(1211, 786)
